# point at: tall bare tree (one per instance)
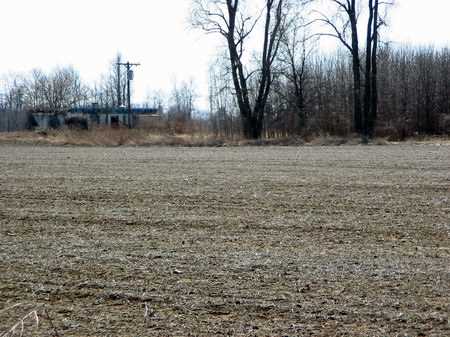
(297, 46)
(228, 19)
(59, 89)
(344, 27)
(182, 100)
(374, 22)
(222, 104)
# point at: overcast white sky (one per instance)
(88, 33)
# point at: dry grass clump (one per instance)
(30, 319)
(353, 139)
(18, 327)
(330, 140)
(380, 141)
(435, 140)
(284, 141)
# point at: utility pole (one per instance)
(119, 89)
(130, 76)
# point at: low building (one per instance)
(87, 117)
(12, 120)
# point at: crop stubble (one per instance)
(245, 241)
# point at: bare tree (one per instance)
(64, 89)
(182, 105)
(296, 48)
(228, 19)
(182, 99)
(60, 89)
(374, 22)
(12, 115)
(14, 88)
(155, 99)
(222, 104)
(344, 27)
(110, 91)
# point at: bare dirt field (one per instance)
(243, 241)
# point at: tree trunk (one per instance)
(374, 78)
(357, 113)
(252, 127)
(368, 74)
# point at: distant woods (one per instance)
(62, 88)
(284, 86)
(271, 79)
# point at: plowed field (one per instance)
(241, 241)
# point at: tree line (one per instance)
(317, 98)
(288, 87)
(271, 79)
(62, 88)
